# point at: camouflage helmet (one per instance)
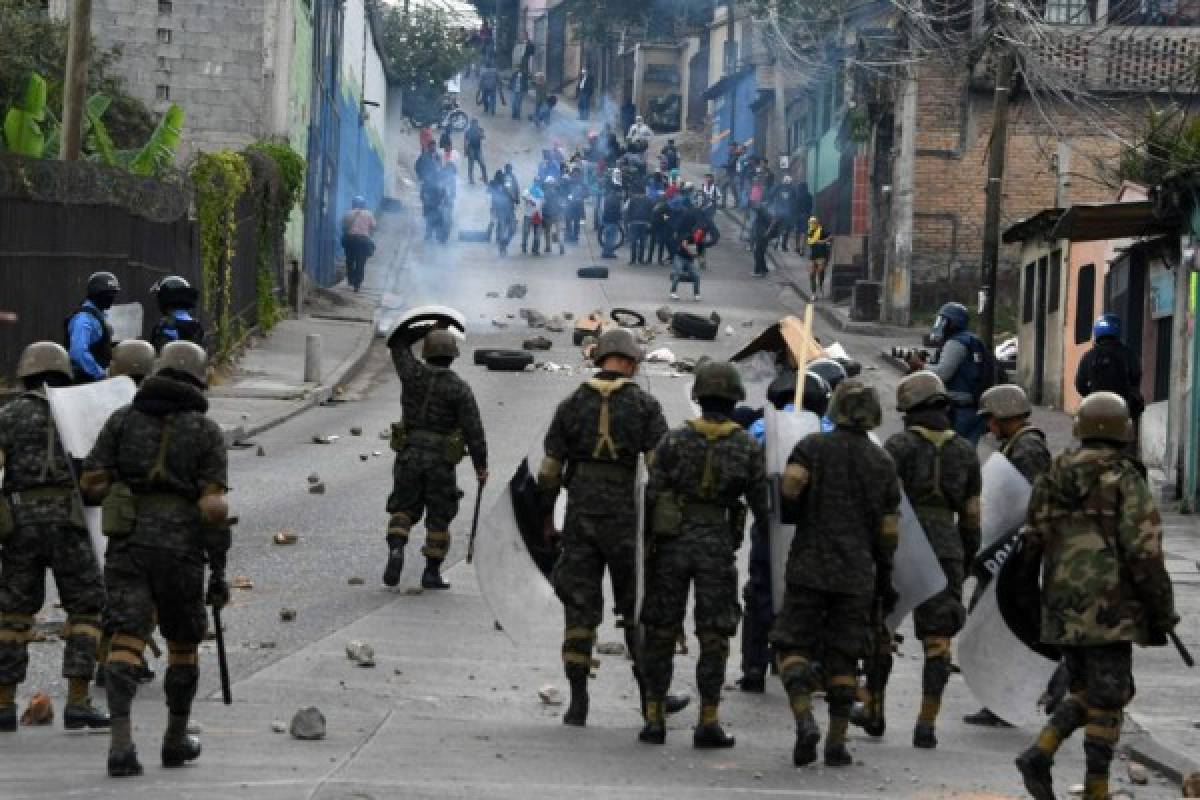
(188, 358)
(855, 405)
(918, 389)
(1007, 401)
(1104, 415)
(718, 379)
(42, 357)
(616, 342)
(439, 343)
(132, 357)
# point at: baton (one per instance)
(222, 659)
(474, 525)
(1183, 651)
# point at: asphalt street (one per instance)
(451, 709)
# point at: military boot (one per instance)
(432, 577)
(655, 729)
(577, 711)
(676, 703)
(178, 746)
(836, 754)
(1034, 766)
(8, 719)
(924, 737)
(986, 718)
(395, 562)
(77, 716)
(870, 718)
(123, 763)
(807, 736)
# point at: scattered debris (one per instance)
(195, 728)
(376, 453)
(748, 323)
(241, 582)
(684, 365)
(663, 314)
(325, 439)
(266, 644)
(661, 356)
(538, 343)
(1137, 773)
(497, 625)
(610, 649)
(356, 431)
(556, 325)
(363, 456)
(261, 451)
(517, 290)
(287, 614)
(550, 695)
(385, 435)
(314, 478)
(308, 724)
(317, 488)
(567, 315)
(361, 653)
(355, 581)
(493, 295)
(40, 710)
(285, 537)
(510, 316)
(278, 726)
(498, 324)
(729, 330)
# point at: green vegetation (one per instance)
(221, 179)
(278, 195)
(423, 49)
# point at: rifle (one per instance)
(1183, 651)
(474, 524)
(876, 667)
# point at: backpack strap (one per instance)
(938, 439)
(713, 431)
(604, 440)
(160, 460)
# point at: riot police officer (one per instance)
(89, 335)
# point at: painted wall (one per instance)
(298, 100)
(363, 165)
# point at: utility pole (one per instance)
(897, 289)
(995, 193)
(780, 133)
(75, 79)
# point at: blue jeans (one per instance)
(684, 269)
(611, 233)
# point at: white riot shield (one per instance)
(783, 430)
(1004, 674)
(1004, 499)
(391, 319)
(79, 414)
(916, 573)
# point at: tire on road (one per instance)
(694, 326)
(481, 355)
(592, 272)
(639, 320)
(507, 360)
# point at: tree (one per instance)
(598, 21)
(33, 43)
(423, 49)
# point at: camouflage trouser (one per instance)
(760, 611)
(835, 628)
(423, 482)
(1101, 681)
(146, 584)
(936, 621)
(592, 542)
(66, 550)
(705, 557)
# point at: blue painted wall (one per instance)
(733, 122)
(360, 159)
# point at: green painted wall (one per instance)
(824, 161)
(299, 99)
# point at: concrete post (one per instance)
(312, 358)
(897, 293)
(1178, 395)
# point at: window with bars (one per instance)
(1068, 12)
(162, 92)
(164, 35)
(164, 7)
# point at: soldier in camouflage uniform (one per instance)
(1006, 411)
(698, 476)
(41, 527)
(941, 476)
(159, 464)
(440, 419)
(1096, 532)
(839, 566)
(591, 450)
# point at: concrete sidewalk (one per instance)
(266, 386)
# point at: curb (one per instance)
(1141, 746)
(828, 313)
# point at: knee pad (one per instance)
(577, 650)
(839, 693)
(796, 672)
(16, 628)
(126, 651)
(399, 524)
(84, 626)
(437, 544)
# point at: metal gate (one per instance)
(320, 219)
(556, 45)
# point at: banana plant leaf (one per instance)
(95, 133)
(159, 152)
(22, 129)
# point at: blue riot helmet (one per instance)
(1107, 325)
(951, 318)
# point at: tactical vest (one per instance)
(1012, 440)
(413, 432)
(101, 349)
(931, 499)
(701, 505)
(605, 461)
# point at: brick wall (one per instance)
(951, 172)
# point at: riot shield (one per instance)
(1005, 675)
(1004, 499)
(916, 573)
(421, 315)
(79, 414)
(783, 430)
